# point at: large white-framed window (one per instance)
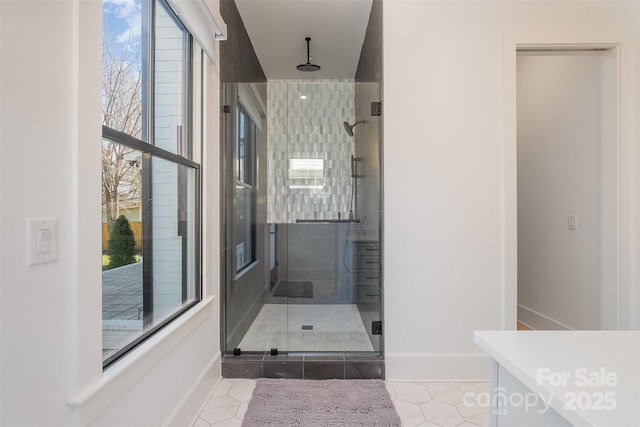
(150, 172)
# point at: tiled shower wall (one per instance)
(309, 128)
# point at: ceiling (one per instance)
(277, 29)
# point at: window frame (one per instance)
(250, 184)
(146, 146)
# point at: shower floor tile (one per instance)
(336, 327)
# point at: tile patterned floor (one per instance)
(121, 306)
(417, 403)
(336, 327)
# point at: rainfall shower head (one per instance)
(308, 66)
(349, 128)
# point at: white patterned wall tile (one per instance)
(309, 128)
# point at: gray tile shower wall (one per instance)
(238, 60)
(308, 251)
(370, 63)
(242, 296)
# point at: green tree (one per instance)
(122, 244)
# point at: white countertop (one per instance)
(589, 361)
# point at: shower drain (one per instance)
(307, 327)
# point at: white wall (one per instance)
(449, 168)
(50, 314)
(168, 99)
(559, 137)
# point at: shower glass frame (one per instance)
(355, 245)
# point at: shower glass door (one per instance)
(301, 245)
(313, 199)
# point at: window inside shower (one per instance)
(306, 173)
(245, 189)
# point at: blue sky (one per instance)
(122, 20)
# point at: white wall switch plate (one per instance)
(572, 222)
(42, 240)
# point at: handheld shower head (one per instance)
(349, 128)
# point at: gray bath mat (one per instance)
(277, 402)
(292, 289)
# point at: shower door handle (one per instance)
(327, 221)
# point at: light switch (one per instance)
(41, 240)
(572, 222)
(44, 240)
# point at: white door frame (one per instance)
(618, 298)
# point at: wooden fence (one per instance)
(136, 226)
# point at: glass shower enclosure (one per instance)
(301, 218)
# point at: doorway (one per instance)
(567, 188)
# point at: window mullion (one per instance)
(131, 142)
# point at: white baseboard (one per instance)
(437, 367)
(539, 321)
(189, 407)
